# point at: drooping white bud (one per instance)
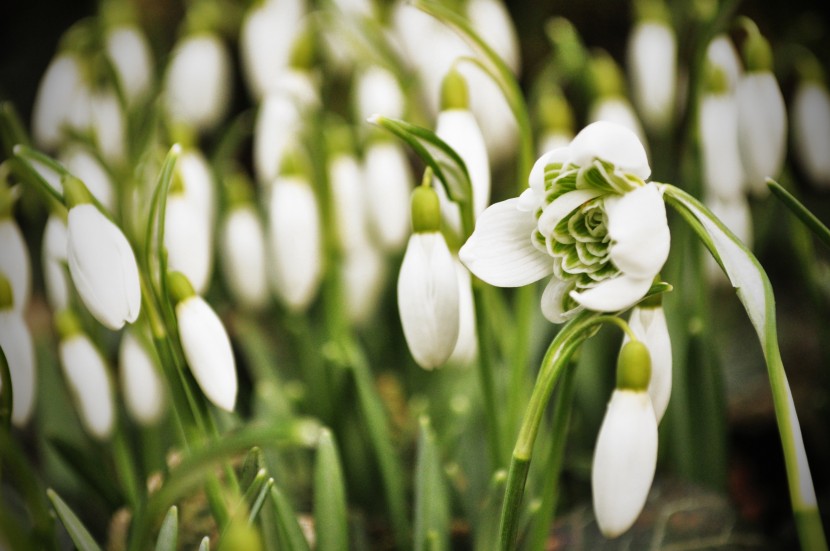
(108, 125)
(723, 173)
(84, 165)
(378, 91)
(56, 93)
(762, 129)
(649, 325)
(55, 261)
(465, 351)
(243, 256)
(811, 130)
(15, 263)
(389, 183)
(88, 379)
(141, 383)
(129, 51)
(198, 184)
(18, 347)
(363, 274)
(652, 61)
(722, 54)
(277, 123)
(348, 195)
(188, 239)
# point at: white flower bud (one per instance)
(649, 325)
(197, 83)
(54, 261)
(15, 263)
(197, 180)
(19, 349)
(243, 256)
(295, 239)
(389, 183)
(723, 173)
(428, 299)
(466, 347)
(277, 123)
(625, 459)
(88, 379)
(762, 129)
(811, 130)
(722, 54)
(188, 240)
(378, 91)
(108, 125)
(53, 102)
(85, 166)
(490, 18)
(141, 382)
(103, 267)
(207, 349)
(129, 50)
(652, 60)
(363, 274)
(348, 196)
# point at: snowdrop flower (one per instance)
(60, 84)
(197, 182)
(466, 346)
(457, 126)
(205, 342)
(197, 81)
(377, 90)
(266, 38)
(428, 286)
(388, 185)
(107, 125)
(762, 117)
(722, 54)
(652, 62)
(141, 383)
(625, 456)
(54, 262)
(85, 166)
(87, 376)
(14, 255)
(19, 350)
(348, 196)
(648, 322)
(811, 128)
(363, 273)
(589, 219)
(188, 239)
(295, 241)
(243, 255)
(610, 103)
(723, 173)
(101, 261)
(132, 59)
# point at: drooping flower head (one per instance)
(588, 218)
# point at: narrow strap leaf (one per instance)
(432, 508)
(803, 213)
(168, 535)
(77, 531)
(290, 534)
(330, 514)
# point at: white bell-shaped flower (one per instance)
(79, 161)
(721, 53)
(206, 345)
(588, 218)
(197, 182)
(266, 38)
(295, 242)
(19, 350)
(88, 379)
(762, 129)
(490, 18)
(108, 125)
(428, 286)
(652, 63)
(14, 261)
(389, 182)
(197, 82)
(277, 124)
(101, 262)
(132, 59)
(54, 262)
(649, 325)
(618, 110)
(363, 273)
(378, 91)
(53, 102)
(348, 197)
(243, 256)
(188, 241)
(465, 351)
(723, 173)
(811, 130)
(141, 384)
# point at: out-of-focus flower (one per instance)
(723, 173)
(101, 261)
(132, 59)
(243, 255)
(19, 350)
(141, 383)
(348, 198)
(188, 240)
(736, 215)
(811, 127)
(87, 376)
(721, 53)
(652, 62)
(610, 103)
(363, 273)
(107, 125)
(556, 118)
(588, 218)
(625, 456)
(14, 257)
(428, 286)
(59, 86)
(295, 241)
(388, 185)
(377, 91)
(197, 82)
(54, 261)
(205, 342)
(85, 166)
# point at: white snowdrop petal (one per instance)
(15, 263)
(762, 129)
(552, 297)
(613, 294)
(649, 325)
(652, 62)
(722, 53)
(86, 167)
(619, 111)
(490, 18)
(723, 172)
(141, 382)
(459, 129)
(500, 250)
(54, 98)
(208, 351)
(625, 459)
(54, 263)
(612, 143)
(187, 239)
(428, 299)
(563, 206)
(639, 231)
(466, 346)
(363, 274)
(103, 267)
(811, 131)
(348, 196)
(243, 257)
(536, 180)
(129, 50)
(19, 349)
(389, 184)
(378, 91)
(199, 186)
(88, 379)
(108, 125)
(276, 124)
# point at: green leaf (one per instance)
(755, 292)
(432, 508)
(12, 129)
(99, 479)
(803, 213)
(264, 491)
(251, 467)
(77, 531)
(330, 514)
(169, 532)
(289, 532)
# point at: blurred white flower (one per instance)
(54, 262)
(243, 256)
(197, 81)
(588, 218)
(377, 91)
(141, 384)
(762, 129)
(723, 173)
(132, 59)
(188, 239)
(722, 54)
(197, 180)
(388, 185)
(295, 242)
(108, 125)
(88, 379)
(15, 263)
(649, 326)
(53, 102)
(102, 266)
(277, 124)
(652, 62)
(811, 130)
(348, 197)
(625, 459)
(79, 161)
(19, 350)
(363, 273)
(618, 110)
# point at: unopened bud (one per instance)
(426, 210)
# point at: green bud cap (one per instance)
(606, 75)
(808, 68)
(292, 163)
(454, 91)
(652, 10)
(67, 324)
(75, 191)
(716, 81)
(555, 112)
(633, 367)
(6, 293)
(238, 188)
(426, 210)
(179, 287)
(339, 138)
(757, 53)
(302, 51)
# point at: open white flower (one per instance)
(141, 382)
(589, 219)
